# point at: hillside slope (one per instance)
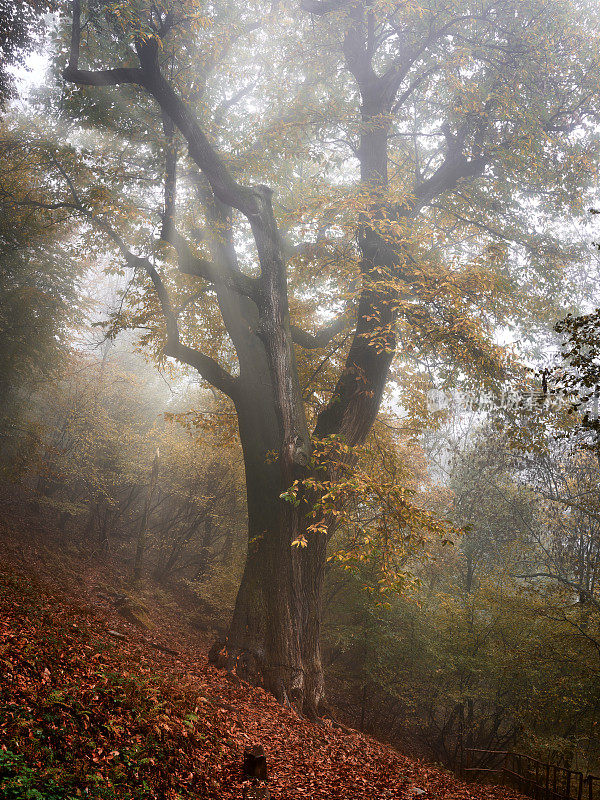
(89, 707)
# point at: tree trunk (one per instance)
(276, 621)
(276, 625)
(265, 631)
(279, 606)
(312, 574)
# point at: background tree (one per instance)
(40, 304)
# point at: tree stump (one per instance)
(255, 762)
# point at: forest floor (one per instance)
(89, 707)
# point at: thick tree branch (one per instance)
(75, 36)
(453, 169)
(446, 177)
(170, 187)
(207, 367)
(190, 264)
(201, 151)
(412, 87)
(104, 77)
(320, 339)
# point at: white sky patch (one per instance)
(33, 72)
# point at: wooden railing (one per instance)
(532, 777)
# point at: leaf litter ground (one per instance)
(86, 713)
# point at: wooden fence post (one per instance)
(504, 773)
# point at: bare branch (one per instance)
(565, 581)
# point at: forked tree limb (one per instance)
(191, 264)
(149, 76)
